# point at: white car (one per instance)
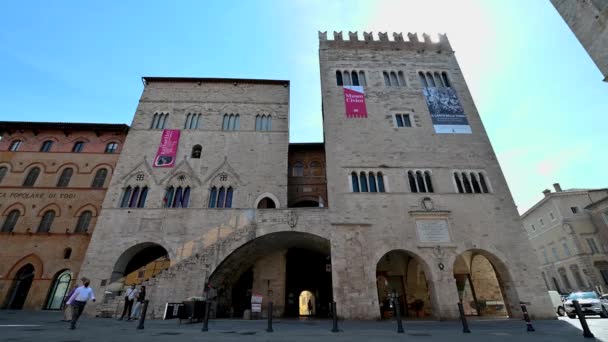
(591, 304)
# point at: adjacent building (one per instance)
(588, 19)
(569, 234)
(404, 200)
(53, 179)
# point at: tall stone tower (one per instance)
(413, 180)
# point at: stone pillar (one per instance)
(444, 294)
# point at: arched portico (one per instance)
(137, 257)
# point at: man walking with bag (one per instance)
(130, 296)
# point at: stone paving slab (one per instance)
(46, 326)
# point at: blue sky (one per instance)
(539, 94)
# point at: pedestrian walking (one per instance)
(309, 307)
(78, 299)
(130, 296)
(67, 308)
(141, 297)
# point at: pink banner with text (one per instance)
(167, 150)
(354, 101)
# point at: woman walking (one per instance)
(141, 297)
(78, 300)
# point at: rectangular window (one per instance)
(574, 210)
(554, 252)
(403, 120)
(592, 246)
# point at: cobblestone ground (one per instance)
(46, 326)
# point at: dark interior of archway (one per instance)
(145, 257)
(241, 293)
(305, 204)
(306, 270)
(266, 203)
(21, 286)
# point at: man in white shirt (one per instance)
(78, 300)
(130, 296)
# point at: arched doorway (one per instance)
(277, 266)
(401, 276)
(59, 289)
(266, 203)
(480, 285)
(21, 286)
(307, 303)
(139, 263)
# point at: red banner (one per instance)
(167, 150)
(354, 101)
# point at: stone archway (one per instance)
(138, 263)
(484, 284)
(278, 266)
(16, 297)
(403, 275)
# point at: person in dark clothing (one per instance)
(130, 296)
(141, 297)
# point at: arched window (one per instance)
(268, 125)
(355, 181)
(186, 197)
(60, 289)
(466, 183)
(111, 147)
(476, 187)
(14, 147)
(458, 183)
(225, 122)
(163, 120)
(394, 80)
(438, 80)
(258, 122)
(168, 199)
(134, 197)
(482, 182)
(46, 222)
(380, 178)
(82, 226)
(412, 180)
(31, 177)
(355, 78)
(298, 170)
(387, 80)
(420, 182)
(315, 169)
(99, 179)
(347, 81)
(197, 150)
(11, 221)
(78, 146)
(423, 80)
(446, 81)
(372, 182)
(64, 179)
(237, 123)
(266, 203)
(221, 197)
(401, 79)
(339, 78)
(46, 146)
(126, 197)
(188, 121)
(212, 197)
(429, 78)
(177, 201)
(154, 122)
(192, 120)
(362, 79)
(231, 122)
(363, 182)
(229, 193)
(427, 179)
(67, 253)
(142, 197)
(3, 171)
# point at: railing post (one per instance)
(142, 317)
(463, 319)
(269, 329)
(206, 320)
(529, 326)
(398, 315)
(581, 316)
(334, 313)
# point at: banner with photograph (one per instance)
(167, 150)
(354, 102)
(446, 112)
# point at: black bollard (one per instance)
(463, 319)
(142, 317)
(206, 320)
(334, 313)
(581, 317)
(398, 316)
(529, 326)
(269, 329)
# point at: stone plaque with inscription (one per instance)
(433, 231)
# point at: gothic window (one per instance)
(159, 120)
(427, 179)
(46, 146)
(429, 78)
(346, 77)
(3, 171)
(475, 183)
(355, 78)
(78, 146)
(372, 182)
(387, 80)
(412, 180)
(394, 80)
(197, 151)
(134, 197)
(339, 78)
(401, 79)
(213, 197)
(403, 120)
(362, 79)
(466, 183)
(471, 182)
(423, 80)
(438, 80)
(64, 179)
(82, 226)
(263, 122)
(100, 178)
(231, 122)
(367, 182)
(15, 146)
(355, 181)
(420, 181)
(228, 203)
(458, 183)
(380, 179)
(266, 203)
(298, 170)
(446, 80)
(46, 222)
(11, 221)
(363, 182)
(111, 147)
(220, 198)
(315, 169)
(192, 121)
(177, 197)
(31, 177)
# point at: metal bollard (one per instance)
(463, 319)
(269, 329)
(581, 317)
(142, 317)
(529, 326)
(206, 320)
(398, 316)
(334, 313)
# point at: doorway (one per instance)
(21, 287)
(307, 303)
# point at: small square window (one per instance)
(574, 210)
(403, 120)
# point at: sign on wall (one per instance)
(256, 303)
(433, 231)
(446, 112)
(167, 150)
(354, 102)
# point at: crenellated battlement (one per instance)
(398, 41)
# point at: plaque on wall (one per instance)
(433, 231)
